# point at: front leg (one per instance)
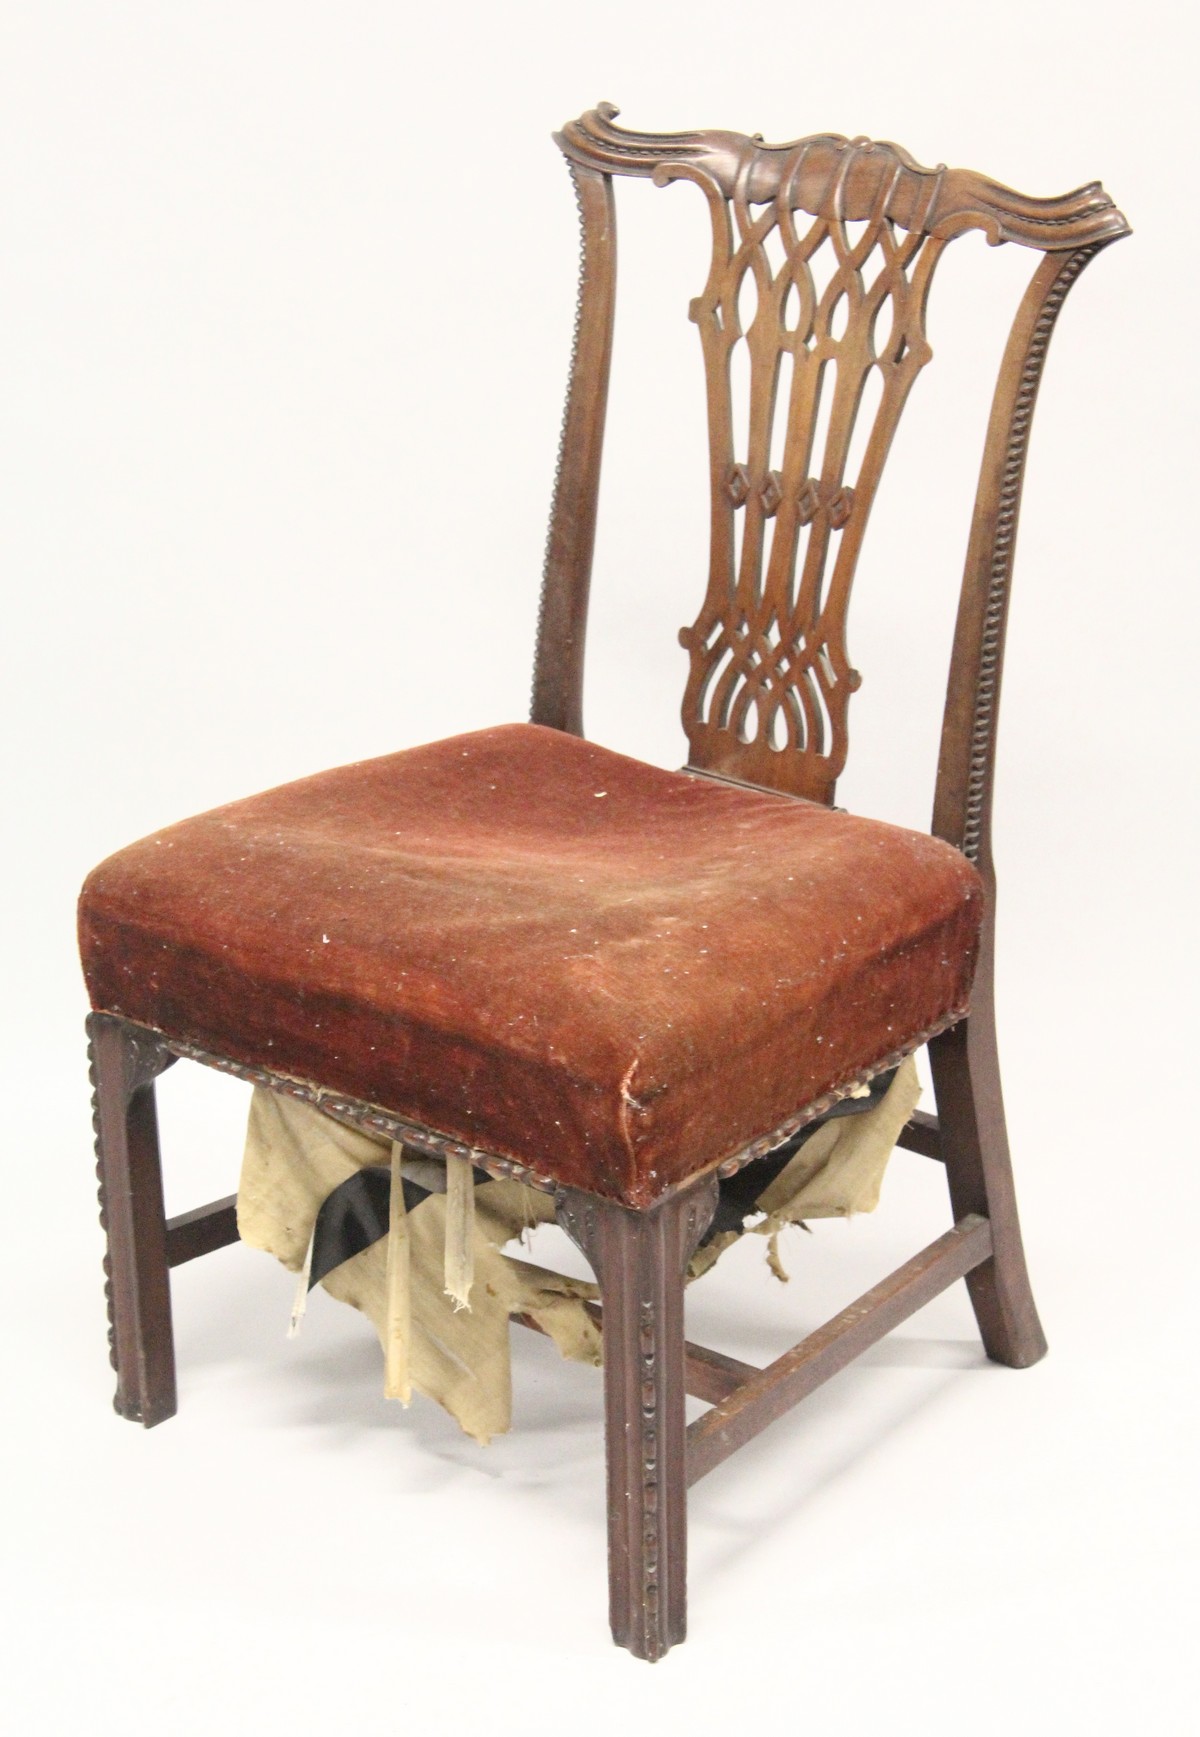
(126, 1060)
(640, 1258)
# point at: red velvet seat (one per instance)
(615, 974)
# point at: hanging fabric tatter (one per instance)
(303, 1281)
(459, 1271)
(397, 1382)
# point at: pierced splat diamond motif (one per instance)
(737, 484)
(840, 508)
(807, 502)
(771, 493)
(823, 253)
(770, 678)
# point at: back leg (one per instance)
(966, 1079)
(126, 1059)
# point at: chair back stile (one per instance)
(570, 540)
(824, 252)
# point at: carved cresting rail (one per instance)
(823, 255)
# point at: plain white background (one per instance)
(285, 295)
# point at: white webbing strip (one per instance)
(300, 1299)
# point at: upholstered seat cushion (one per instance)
(615, 974)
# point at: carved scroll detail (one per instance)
(577, 1215)
(938, 201)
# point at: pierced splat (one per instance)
(770, 678)
(823, 255)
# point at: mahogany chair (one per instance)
(619, 983)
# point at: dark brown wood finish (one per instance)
(767, 1395)
(708, 1375)
(922, 1133)
(566, 582)
(202, 1230)
(967, 755)
(766, 704)
(966, 1080)
(639, 1259)
(712, 1375)
(965, 1061)
(126, 1061)
(769, 688)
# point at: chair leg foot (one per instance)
(639, 1259)
(125, 1061)
(966, 1077)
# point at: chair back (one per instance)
(823, 253)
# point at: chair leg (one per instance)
(126, 1059)
(966, 1079)
(639, 1259)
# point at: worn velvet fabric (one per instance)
(615, 974)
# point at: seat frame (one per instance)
(640, 1256)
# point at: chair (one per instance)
(620, 983)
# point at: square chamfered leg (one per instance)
(639, 1258)
(126, 1060)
